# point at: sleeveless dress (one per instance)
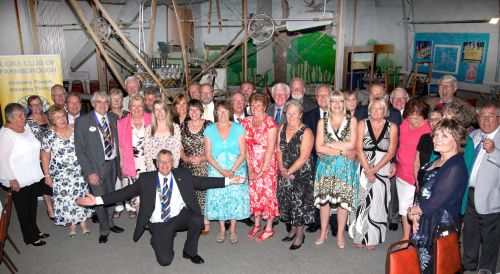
(370, 225)
(440, 199)
(194, 145)
(232, 201)
(263, 199)
(336, 180)
(295, 196)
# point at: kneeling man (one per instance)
(168, 204)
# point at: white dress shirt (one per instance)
(323, 113)
(114, 154)
(479, 158)
(71, 118)
(235, 117)
(208, 112)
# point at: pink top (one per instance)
(408, 141)
(124, 127)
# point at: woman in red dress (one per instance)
(261, 133)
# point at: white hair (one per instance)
(130, 78)
(101, 94)
(281, 85)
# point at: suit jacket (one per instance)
(311, 119)
(361, 113)
(270, 111)
(487, 191)
(145, 188)
(88, 144)
(308, 104)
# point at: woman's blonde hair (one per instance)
(168, 118)
(339, 94)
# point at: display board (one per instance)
(462, 55)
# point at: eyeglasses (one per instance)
(487, 117)
(447, 86)
(399, 99)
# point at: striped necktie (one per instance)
(478, 148)
(106, 135)
(166, 195)
(278, 116)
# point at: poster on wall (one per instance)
(471, 74)
(473, 52)
(423, 50)
(24, 75)
(446, 59)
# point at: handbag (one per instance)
(402, 260)
(447, 252)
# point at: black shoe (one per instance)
(116, 229)
(393, 226)
(275, 222)
(38, 243)
(288, 238)
(103, 239)
(288, 227)
(94, 219)
(43, 235)
(248, 222)
(312, 228)
(334, 232)
(293, 247)
(196, 259)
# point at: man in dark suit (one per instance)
(96, 147)
(247, 89)
(280, 93)
(377, 90)
(297, 92)
(168, 204)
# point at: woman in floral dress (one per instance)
(162, 134)
(193, 153)
(63, 172)
(261, 132)
(335, 181)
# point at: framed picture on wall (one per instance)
(423, 50)
(446, 59)
(473, 52)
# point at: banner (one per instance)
(24, 75)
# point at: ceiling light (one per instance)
(494, 21)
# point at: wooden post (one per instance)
(353, 40)
(129, 45)
(183, 44)
(152, 28)
(36, 44)
(245, 40)
(209, 14)
(20, 35)
(81, 15)
(219, 21)
(100, 70)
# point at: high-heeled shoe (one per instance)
(288, 238)
(294, 247)
(51, 218)
(321, 241)
(265, 235)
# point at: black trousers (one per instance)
(106, 185)
(480, 231)
(163, 234)
(393, 216)
(26, 204)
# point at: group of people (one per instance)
(295, 160)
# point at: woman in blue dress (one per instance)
(335, 182)
(442, 185)
(225, 150)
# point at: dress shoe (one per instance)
(393, 226)
(312, 228)
(288, 238)
(248, 222)
(43, 235)
(103, 239)
(196, 259)
(288, 227)
(275, 222)
(38, 243)
(94, 219)
(293, 247)
(116, 229)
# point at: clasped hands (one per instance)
(414, 213)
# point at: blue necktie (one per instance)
(478, 147)
(106, 135)
(278, 116)
(166, 194)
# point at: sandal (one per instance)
(72, 234)
(254, 231)
(265, 235)
(132, 214)
(117, 214)
(86, 232)
(233, 238)
(221, 237)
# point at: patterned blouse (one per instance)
(153, 144)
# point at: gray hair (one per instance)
(323, 86)
(101, 94)
(399, 89)
(116, 91)
(281, 85)
(234, 95)
(448, 77)
(10, 109)
(136, 97)
(56, 86)
(294, 103)
(153, 90)
(73, 95)
(132, 78)
(297, 79)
